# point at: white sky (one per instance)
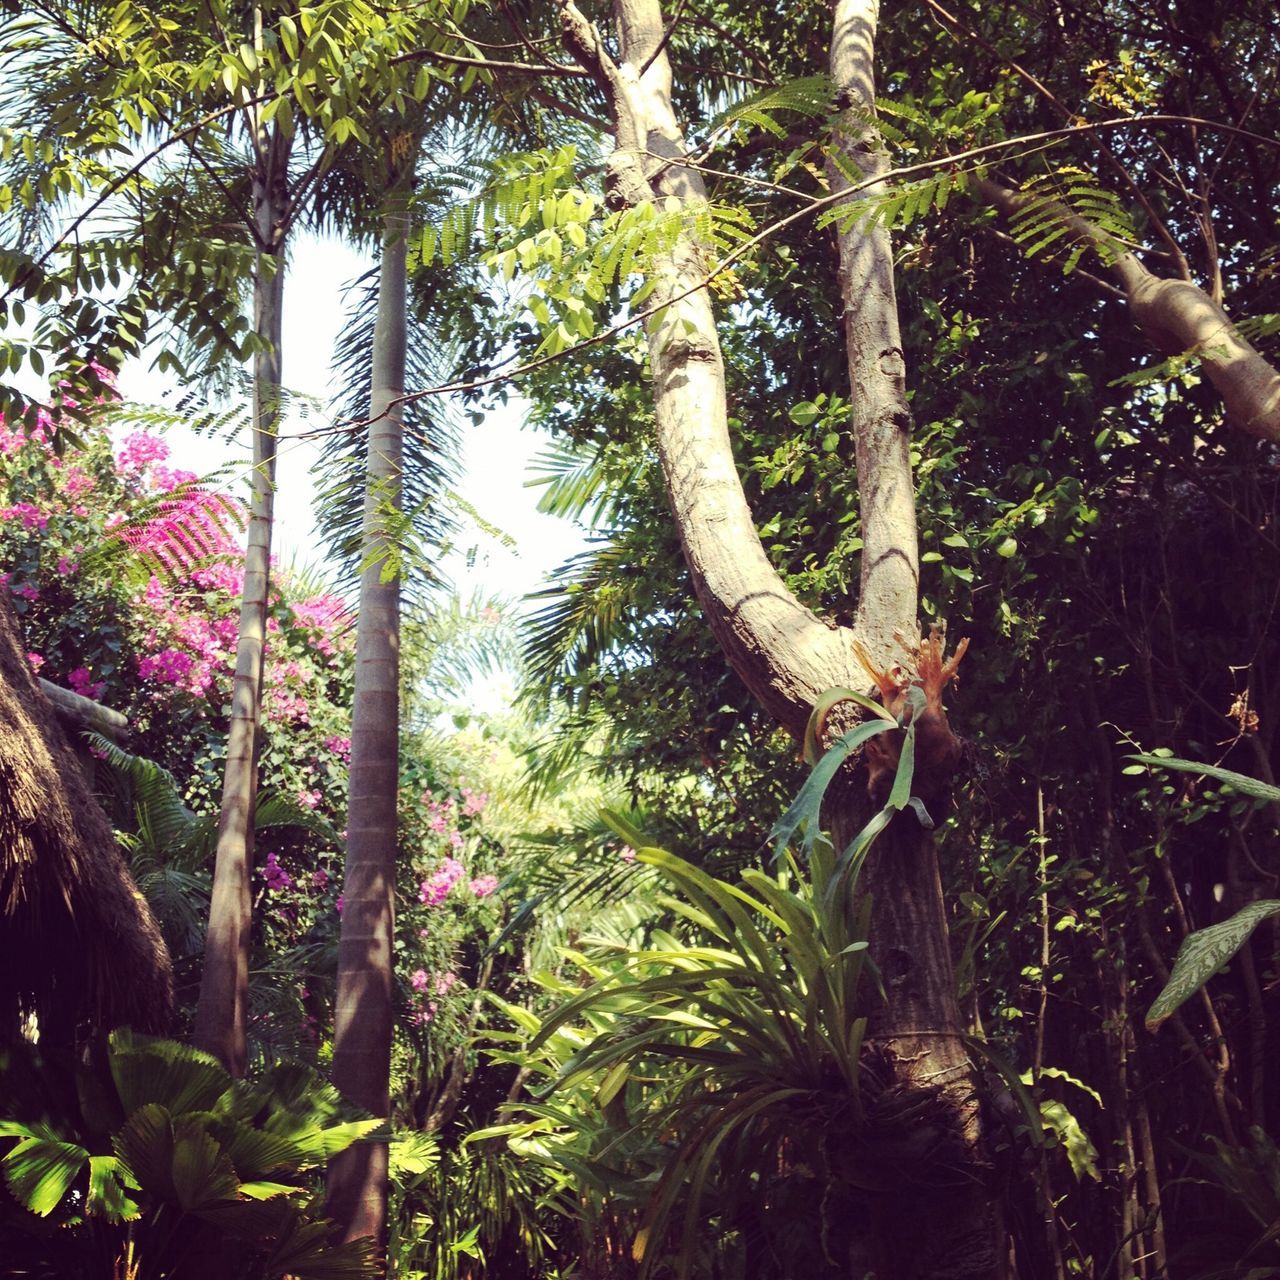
(495, 462)
(496, 454)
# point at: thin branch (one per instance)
(666, 36)
(816, 205)
(490, 64)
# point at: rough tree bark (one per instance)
(363, 1012)
(79, 946)
(785, 655)
(222, 1011)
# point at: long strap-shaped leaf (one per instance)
(805, 808)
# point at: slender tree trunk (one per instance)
(936, 1230)
(222, 1015)
(363, 1014)
(881, 419)
(785, 655)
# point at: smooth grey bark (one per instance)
(222, 1012)
(953, 1228)
(1176, 317)
(783, 652)
(363, 1010)
(880, 417)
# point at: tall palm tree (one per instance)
(363, 1010)
(378, 547)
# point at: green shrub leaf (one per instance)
(1203, 953)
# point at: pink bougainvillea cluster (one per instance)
(126, 573)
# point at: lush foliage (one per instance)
(633, 1065)
(149, 1159)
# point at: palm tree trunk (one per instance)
(222, 1014)
(363, 1013)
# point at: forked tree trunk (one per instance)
(222, 1012)
(787, 657)
(363, 1013)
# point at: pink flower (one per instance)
(339, 746)
(483, 886)
(340, 902)
(490, 614)
(309, 799)
(30, 516)
(66, 566)
(472, 803)
(169, 666)
(275, 875)
(27, 592)
(76, 483)
(165, 480)
(435, 888)
(627, 854)
(84, 684)
(420, 980)
(444, 982)
(320, 878)
(139, 450)
(35, 661)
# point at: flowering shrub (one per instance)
(127, 575)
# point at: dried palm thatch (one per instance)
(78, 944)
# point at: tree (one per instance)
(363, 1009)
(783, 653)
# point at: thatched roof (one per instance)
(78, 943)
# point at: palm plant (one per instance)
(149, 1159)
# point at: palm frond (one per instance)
(430, 439)
(587, 616)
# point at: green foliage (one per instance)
(151, 1152)
(1203, 953)
(723, 1049)
(1044, 218)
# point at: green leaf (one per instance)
(1203, 953)
(174, 1075)
(109, 1180)
(1081, 1153)
(1240, 781)
(804, 810)
(804, 414)
(39, 1171)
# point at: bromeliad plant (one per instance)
(149, 1160)
(722, 1066)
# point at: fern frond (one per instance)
(808, 96)
(898, 205)
(1048, 206)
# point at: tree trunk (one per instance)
(784, 654)
(222, 1014)
(363, 1013)
(881, 419)
(1176, 317)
